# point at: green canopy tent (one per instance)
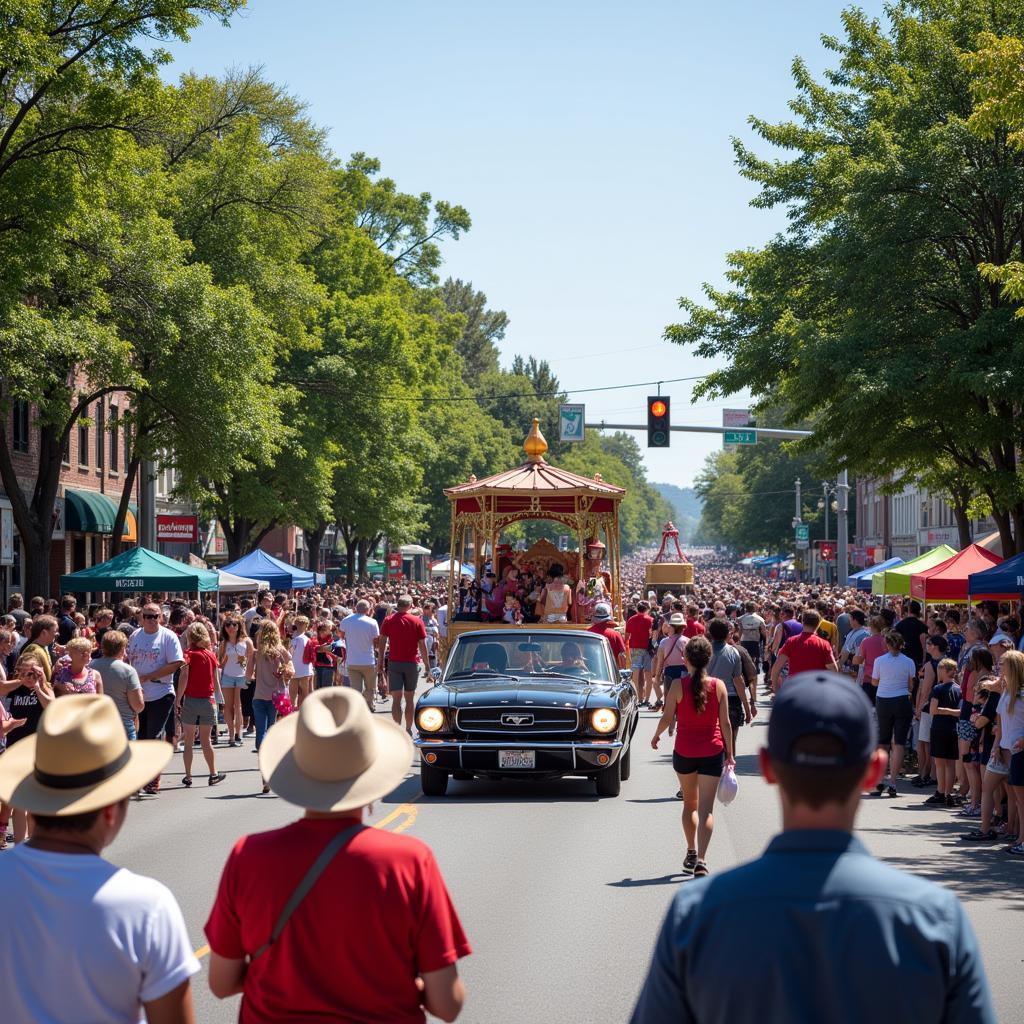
(140, 569)
(897, 580)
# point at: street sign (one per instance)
(570, 422)
(734, 418)
(740, 437)
(803, 535)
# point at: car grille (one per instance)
(489, 720)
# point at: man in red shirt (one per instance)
(693, 627)
(603, 624)
(407, 637)
(638, 638)
(805, 652)
(376, 937)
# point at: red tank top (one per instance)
(698, 735)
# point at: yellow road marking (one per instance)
(406, 811)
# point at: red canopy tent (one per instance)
(947, 581)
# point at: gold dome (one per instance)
(535, 445)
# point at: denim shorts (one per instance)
(640, 659)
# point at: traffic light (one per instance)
(658, 421)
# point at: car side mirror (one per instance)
(625, 675)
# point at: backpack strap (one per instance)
(302, 890)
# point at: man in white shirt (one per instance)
(155, 653)
(127, 953)
(360, 632)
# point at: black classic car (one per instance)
(520, 703)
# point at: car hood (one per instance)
(549, 693)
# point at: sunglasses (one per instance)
(151, 616)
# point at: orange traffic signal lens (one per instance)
(658, 408)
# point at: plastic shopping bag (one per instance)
(728, 786)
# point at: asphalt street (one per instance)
(560, 893)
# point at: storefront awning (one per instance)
(94, 512)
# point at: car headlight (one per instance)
(430, 719)
(604, 720)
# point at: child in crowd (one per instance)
(945, 711)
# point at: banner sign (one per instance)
(571, 422)
(177, 529)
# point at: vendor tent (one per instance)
(445, 567)
(279, 575)
(862, 579)
(1002, 582)
(229, 583)
(897, 581)
(140, 569)
(947, 582)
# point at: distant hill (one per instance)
(683, 499)
(686, 506)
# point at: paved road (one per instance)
(561, 893)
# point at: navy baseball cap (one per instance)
(816, 703)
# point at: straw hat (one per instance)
(79, 759)
(333, 755)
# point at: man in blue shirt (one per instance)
(852, 939)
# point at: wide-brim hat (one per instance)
(333, 754)
(79, 759)
(677, 619)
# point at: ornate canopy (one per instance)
(538, 490)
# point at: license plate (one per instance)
(517, 758)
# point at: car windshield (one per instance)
(531, 655)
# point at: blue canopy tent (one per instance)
(279, 575)
(1003, 582)
(863, 578)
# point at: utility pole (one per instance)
(842, 540)
(825, 561)
(798, 518)
(147, 505)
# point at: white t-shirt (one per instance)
(751, 625)
(442, 621)
(1011, 725)
(298, 648)
(360, 633)
(85, 940)
(150, 651)
(891, 672)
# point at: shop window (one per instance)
(114, 440)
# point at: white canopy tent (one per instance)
(229, 583)
(443, 568)
(413, 549)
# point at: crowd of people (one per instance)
(944, 694)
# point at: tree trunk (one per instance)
(1002, 521)
(1017, 513)
(116, 541)
(348, 538)
(314, 538)
(363, 550)
(963, 524)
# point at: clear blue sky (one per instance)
(590, 142)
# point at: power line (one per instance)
(332, 386)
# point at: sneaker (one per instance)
(690, 862)
(217, 777)
(977, 836)
(880, 788)
(971, 812)
(700, 869)
(179, 747)
(151, 788)
(952, 801)
(1016, 850)
(187, 781)
(891, 791)
(658, 705)
(937, 798)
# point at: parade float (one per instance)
(669, 571)
(588, 507)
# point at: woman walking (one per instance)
(235, 655)
(301, 682)
(893, 676)
(195, 702)
(273, 665)
(668, 662)
(699, 705)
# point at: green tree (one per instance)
(869, 315)
(484, 328)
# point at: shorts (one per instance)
(671, 672)
(944, 744)
(1000, 767)
(198, 711)
(712, 766)
(232, 682)
(403, 675)
(1016, 776)
(736, 715)
(894, 717)
(640, 659)
(924, 730)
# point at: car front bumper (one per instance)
(552, 758)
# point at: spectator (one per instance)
(817, 899)
(286, 955)
(195, 702)
(893, 676)
(125, 933)
(804, 651)
(120, 680)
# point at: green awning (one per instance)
(93, 512)
(139, 569)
